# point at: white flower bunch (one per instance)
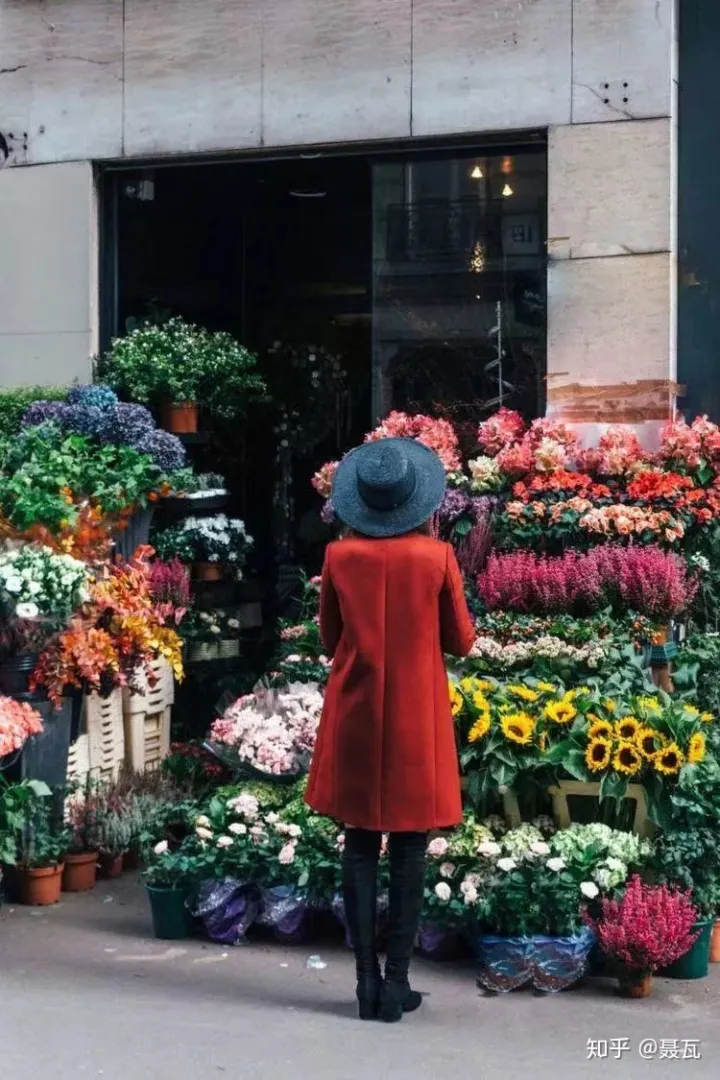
(519, 842)
(485, 475)
(547, 647)
(35, 582)
(216, 539)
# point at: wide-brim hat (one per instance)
(388, 487)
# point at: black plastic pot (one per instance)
(175, 506)
(15, 672)
(45, 756)
(135, 535)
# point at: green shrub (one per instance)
(15, 401)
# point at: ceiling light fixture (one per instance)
(308, 194)
(507, 191)
(477, 173)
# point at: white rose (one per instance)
(447, 870)
(443, 891)
(161, 848)
(294, 831)
(489, 849)
(589, 889)
(225, 841)
(14, 584)
(506, 865)
(556, 865)
(27, 611)
(272, 818)
(204, 833)
(470, 894)
(237, 829)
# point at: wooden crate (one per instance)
(146, 717)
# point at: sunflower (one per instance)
(707, 717)
(457, 701)
(669, 760)
(480, 728)
(523, 692)
(696, 749)
(518, 727)
(648, 742)
(600, 729)
(609, 705)
(580, 691)
(597, 755)
(627, 728)
(628, 759)
(561, 712)
(468, 685)
(692, 709)
(650, 703)
(547, 688)
(480, 702)
(484, 685)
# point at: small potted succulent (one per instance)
(649, 928)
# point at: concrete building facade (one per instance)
(85, 83)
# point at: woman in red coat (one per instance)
(392, 602)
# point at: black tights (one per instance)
(407, 886)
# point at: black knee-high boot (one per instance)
(407, 888)
(360, 873)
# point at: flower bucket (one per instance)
(227, 909)
(80, 872)
(41, 887)
(170, 916)
(208, 571)
(15, 672)
(202, 651)
(695, 963)
(715, 943)
(135, 535)
(180, 418)
(437, 943)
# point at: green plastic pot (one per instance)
(170, 917)
(696, 962)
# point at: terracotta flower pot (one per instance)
(208, 571)
(80, 872)
(635, 985)
(715, 943)
(111, 866)
(181, 419)
(40, 887)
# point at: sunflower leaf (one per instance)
(574, 764)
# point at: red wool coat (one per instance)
(385, 756)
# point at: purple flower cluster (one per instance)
(327, 513)
(455, 505)
(96, 411)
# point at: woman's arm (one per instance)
(330, 617)
(457, 632)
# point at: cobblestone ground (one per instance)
(86, 992)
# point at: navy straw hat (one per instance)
(388, 487)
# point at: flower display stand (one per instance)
(561, 811)
(79, 760)
(100, 748)
(146, 716)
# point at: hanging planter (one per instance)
(180, 418)
(80, 872)
(40, 886)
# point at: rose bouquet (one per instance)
(270, 733)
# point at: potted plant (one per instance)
(689, 858)
(211, 635)
(180, 367)
(210, 544)
(169, 875)
(197, 493)
(81, 860)
(649, 928)
(32, 842)
(114, 836)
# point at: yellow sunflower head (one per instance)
(579, 691)
(692, 709)
(457, 701)
(561, 712)
(468, 685)
(480, 728)
(518, 727)
(628, 759)
(648, 742)
(597, 755)
(480, 702)
(696, 749)
(669, 760)
(707, 717)
(485, 686)
(627, 728)
(523, 692)
(609, 705)
(600, 729)
(650, 703)
(547, 688)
